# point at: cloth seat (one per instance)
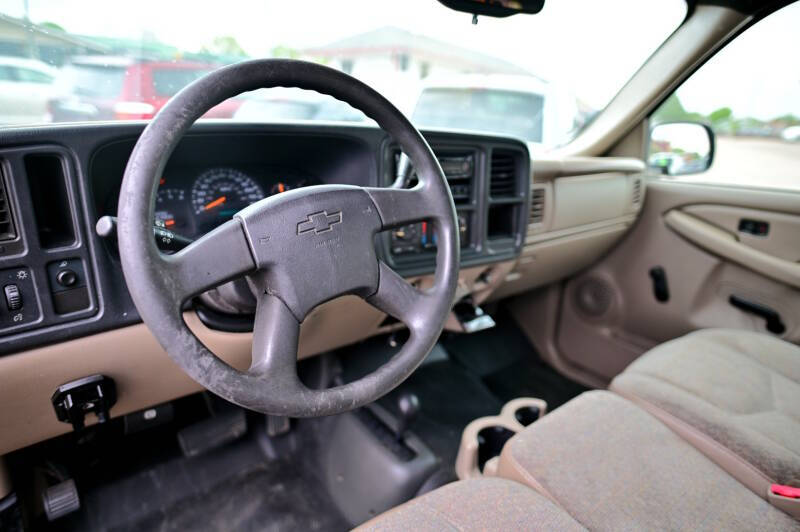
(613, 466)
(476, 504)
(733, 394)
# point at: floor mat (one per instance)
(234, 488)
(509, 365)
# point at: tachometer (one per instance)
(222, 192)
(170, 208)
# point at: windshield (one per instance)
(540, 78)
(518, 114)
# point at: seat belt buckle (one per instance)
(786, 498)
(789, 492)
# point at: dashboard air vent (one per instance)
(7, 231)
(503, 179)
(637, 192)
(537, 206)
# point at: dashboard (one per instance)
(73, 284)
(68, 313)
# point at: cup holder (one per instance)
(524, 411)
(482, 440)
(527, 414)
(490, 443)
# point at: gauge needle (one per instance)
(169, 222)
(219, 201)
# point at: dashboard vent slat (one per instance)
(537, 206)
(503, 178)
(7, 231)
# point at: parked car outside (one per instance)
(280, 104)
(525, 107)
(791, 133)
(122, 88)
(25, 87)
(670, 163)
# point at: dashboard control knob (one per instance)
(66, 278)
(13, 297)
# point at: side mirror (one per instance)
(680, 148)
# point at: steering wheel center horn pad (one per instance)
(300, 248)
(314, 244)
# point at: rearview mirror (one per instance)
(495, 8)
(681, 148)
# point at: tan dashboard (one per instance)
(146, 376)
(580, 208)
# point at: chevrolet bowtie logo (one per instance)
(319, 222)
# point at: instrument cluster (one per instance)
(193, 203)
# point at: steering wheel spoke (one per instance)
(399, 206)
(219, 256)
(275, 335)
(396, 297)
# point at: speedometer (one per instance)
(222, 192)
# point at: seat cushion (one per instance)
(613, 466)
(740, 389)
(476, 504)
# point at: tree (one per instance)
(672, 111)
(285, 52)
(225, 45)
(52, 26)
(788, 119)
(721, 115)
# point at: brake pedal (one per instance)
(61, 499)
(212, 433)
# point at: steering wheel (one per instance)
(300, 248)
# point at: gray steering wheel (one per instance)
(300, 248)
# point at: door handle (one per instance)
(773, 319)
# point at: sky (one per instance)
(757, 75)
(583, 44)
(589, 46)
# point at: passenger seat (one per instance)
(735, 395)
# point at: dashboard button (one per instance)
(66, 278)
(13, 297)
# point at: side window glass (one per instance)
(6, 74)
(749, 93)
(33, 76)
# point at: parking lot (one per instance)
(765, 162)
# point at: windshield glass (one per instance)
(540, 78)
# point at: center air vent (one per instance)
(503, 178)
(7, 231)
(537, 206)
